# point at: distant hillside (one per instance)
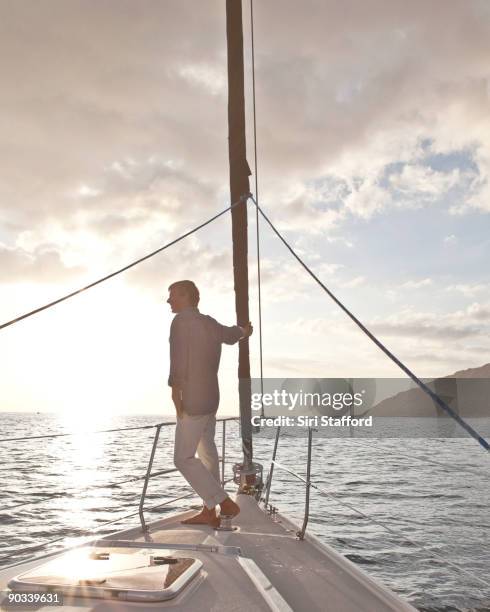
(481, 372)
(467, 392)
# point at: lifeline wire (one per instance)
(382, 525)
(64, 435)
(98, 431)
(134, 263)
(92, 531)
(112, 485)
(378, 343)
(257, 218)
(446, 466)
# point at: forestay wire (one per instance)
(378, 343)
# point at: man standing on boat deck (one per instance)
(195, 350)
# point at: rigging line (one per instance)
(404, 537)
(383, 525)
(446, 466)
(451, 547)
(30, 548)
(150, 509)
(134, 263)
(257, 218)
(87, 531)
(36, 501)
(98, 431)
(445, 519)
(112, 485)
(378, 343)
(82, 433)
(91, 531)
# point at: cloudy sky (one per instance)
(373, 129)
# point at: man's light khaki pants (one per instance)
(196, 433)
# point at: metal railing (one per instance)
(301, 533)
(309, 484)
(146, 478)
(150, 474)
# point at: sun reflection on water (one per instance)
(82, 462)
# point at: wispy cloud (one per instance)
(417, 284)
(469, 290)
(451, 239)
(43, 265)
(355, 282)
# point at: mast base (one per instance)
(248, 477)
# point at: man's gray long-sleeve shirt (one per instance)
(195, 351)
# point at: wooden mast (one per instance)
(239, 185)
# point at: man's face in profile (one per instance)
(178, 300)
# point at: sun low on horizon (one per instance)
(373, 162)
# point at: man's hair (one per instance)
(188, 287)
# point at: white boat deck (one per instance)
(260, 566)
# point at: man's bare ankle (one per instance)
(229, 507)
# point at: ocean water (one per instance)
(432, 494)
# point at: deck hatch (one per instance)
(132, 574)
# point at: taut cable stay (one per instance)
(473, 433)
(445, 466)
(131, 265)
